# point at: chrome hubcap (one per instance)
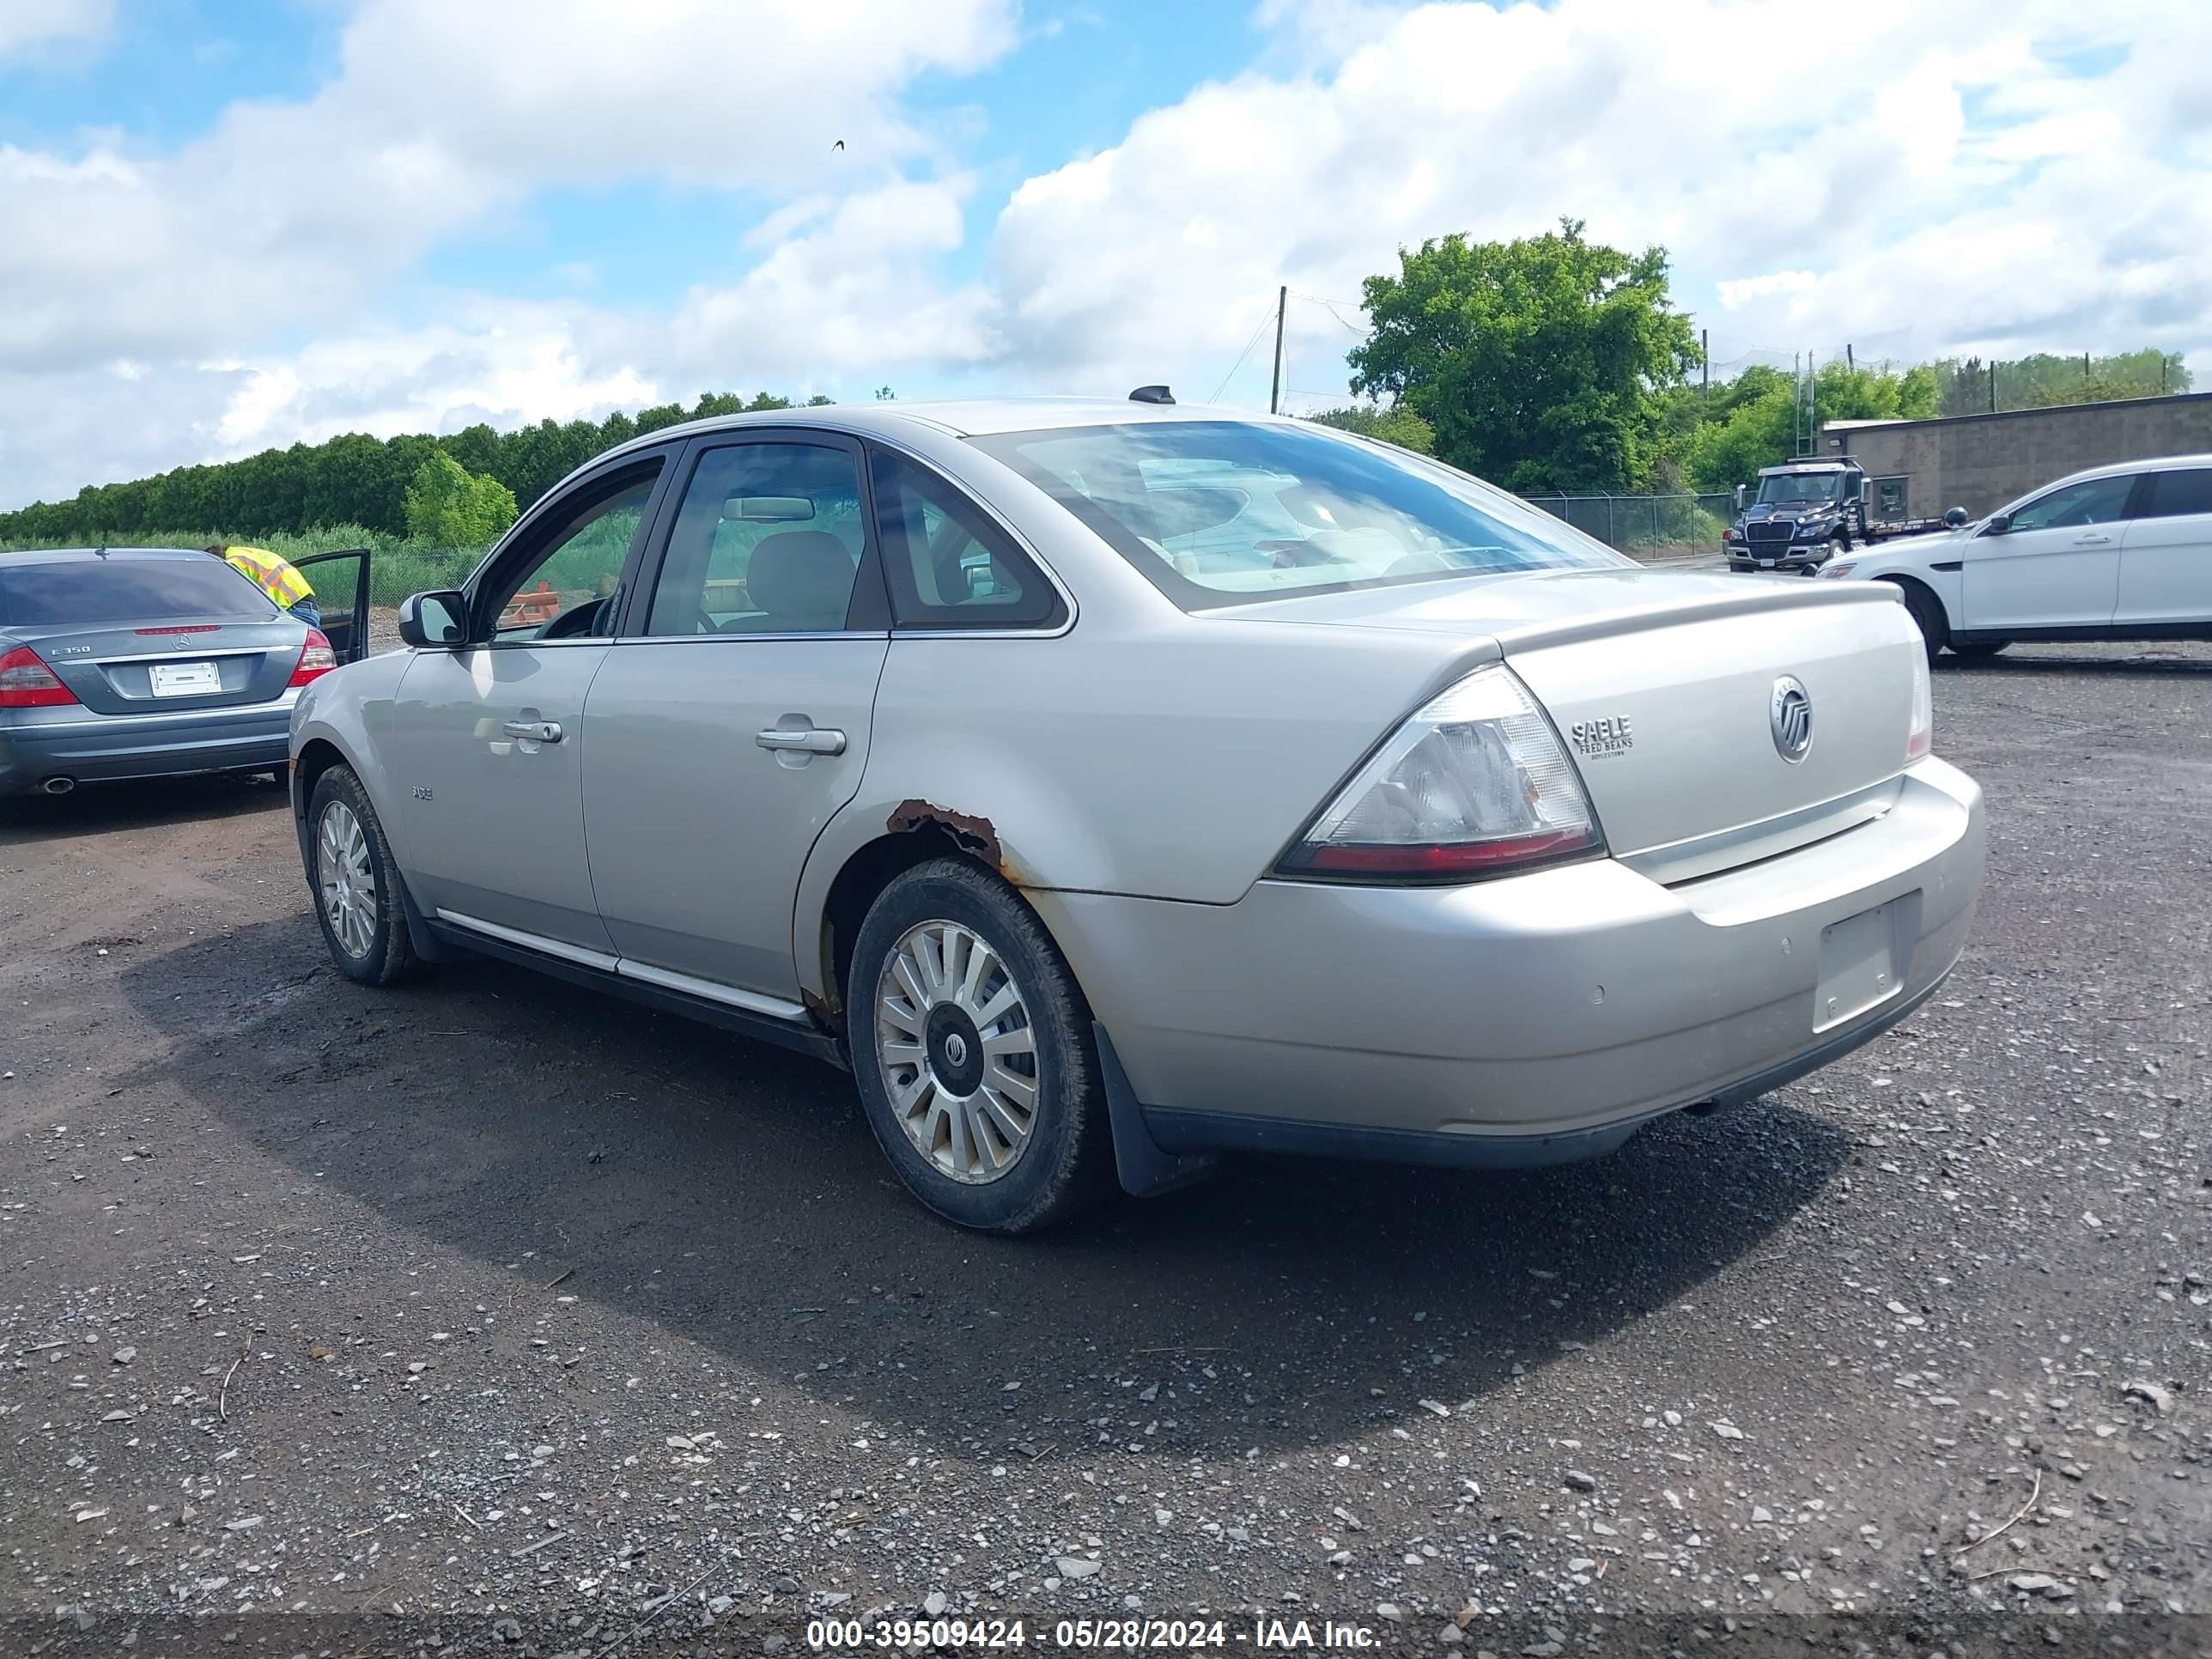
(957, 1050)
(348, 882)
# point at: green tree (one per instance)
(449, 506)
(1537, 362)
(2042, 379)
(1756, 425)
(1400, 427)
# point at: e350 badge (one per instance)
(1597, 738)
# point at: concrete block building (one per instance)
(1920, 469)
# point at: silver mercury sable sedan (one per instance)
(1111, 785)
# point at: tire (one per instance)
(1928, 615)
(1979, 647)
(356, 884)
(941, 1109)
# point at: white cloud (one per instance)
(442, 115)
(27, 24)
(1823, 180)
(847, 294)
(1913, 178)
(1745, 290)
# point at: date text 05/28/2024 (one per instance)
(1132, 1634)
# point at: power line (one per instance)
(1243, 355)
(1330, 306)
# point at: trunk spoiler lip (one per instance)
(1525, 635)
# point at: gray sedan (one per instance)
(125, 663)
(1111, 785)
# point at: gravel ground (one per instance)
(489, 1314)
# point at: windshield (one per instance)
(1220, 512)
(64, 593)
(1799, 489)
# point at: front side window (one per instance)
(767, 541)
(2097, 501)
(1218, 512)
(567, 589)
(2180, 495)
(950, 566)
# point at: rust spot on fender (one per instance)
(975, 834)
(970, 833)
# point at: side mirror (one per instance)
(1998, 524)
(1955, 517)
(1866, 492)
(1739, 498)
(433, 621)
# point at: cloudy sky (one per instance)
(236, 223)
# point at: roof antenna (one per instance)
(1151, 394)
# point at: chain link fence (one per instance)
(1678, 526)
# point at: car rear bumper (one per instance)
(1533, 1020)
(88, 748)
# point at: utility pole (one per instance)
(1993, 385)
(1849, 362)
(1706, 351)
(1275, 394)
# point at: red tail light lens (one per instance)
(316, 659)
(1474, 784)
(26, 681)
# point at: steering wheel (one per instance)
(576, 623)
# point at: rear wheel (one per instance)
(1979, 647)
(356, 887)
(1927, 613)
(972, 1047)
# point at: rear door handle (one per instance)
(534, 730)
(810, 740)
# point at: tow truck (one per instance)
(1806, 511)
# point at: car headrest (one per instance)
(802, 579)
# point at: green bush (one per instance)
(449, 506)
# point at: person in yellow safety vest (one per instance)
(279, 579)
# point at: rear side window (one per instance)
(117, 589)
(949, 565)
(1219, 513)
(769, 541)
(2175, 495)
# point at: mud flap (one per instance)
(1144, 1170)
(428, 947)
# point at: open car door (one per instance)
(342, 591)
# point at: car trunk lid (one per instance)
(1664, 686)
(171, 666)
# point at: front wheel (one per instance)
(356, 884)
(971, 1044)
(1928, 615)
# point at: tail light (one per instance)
(1920, 737)
(26, 681)
(316, 659)
(1474, 784)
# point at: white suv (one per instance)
(2116, 553)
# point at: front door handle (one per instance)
(2091, 541)
(808, 740)
(534, 730)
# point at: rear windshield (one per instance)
(60, 595)
(1222, 511)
